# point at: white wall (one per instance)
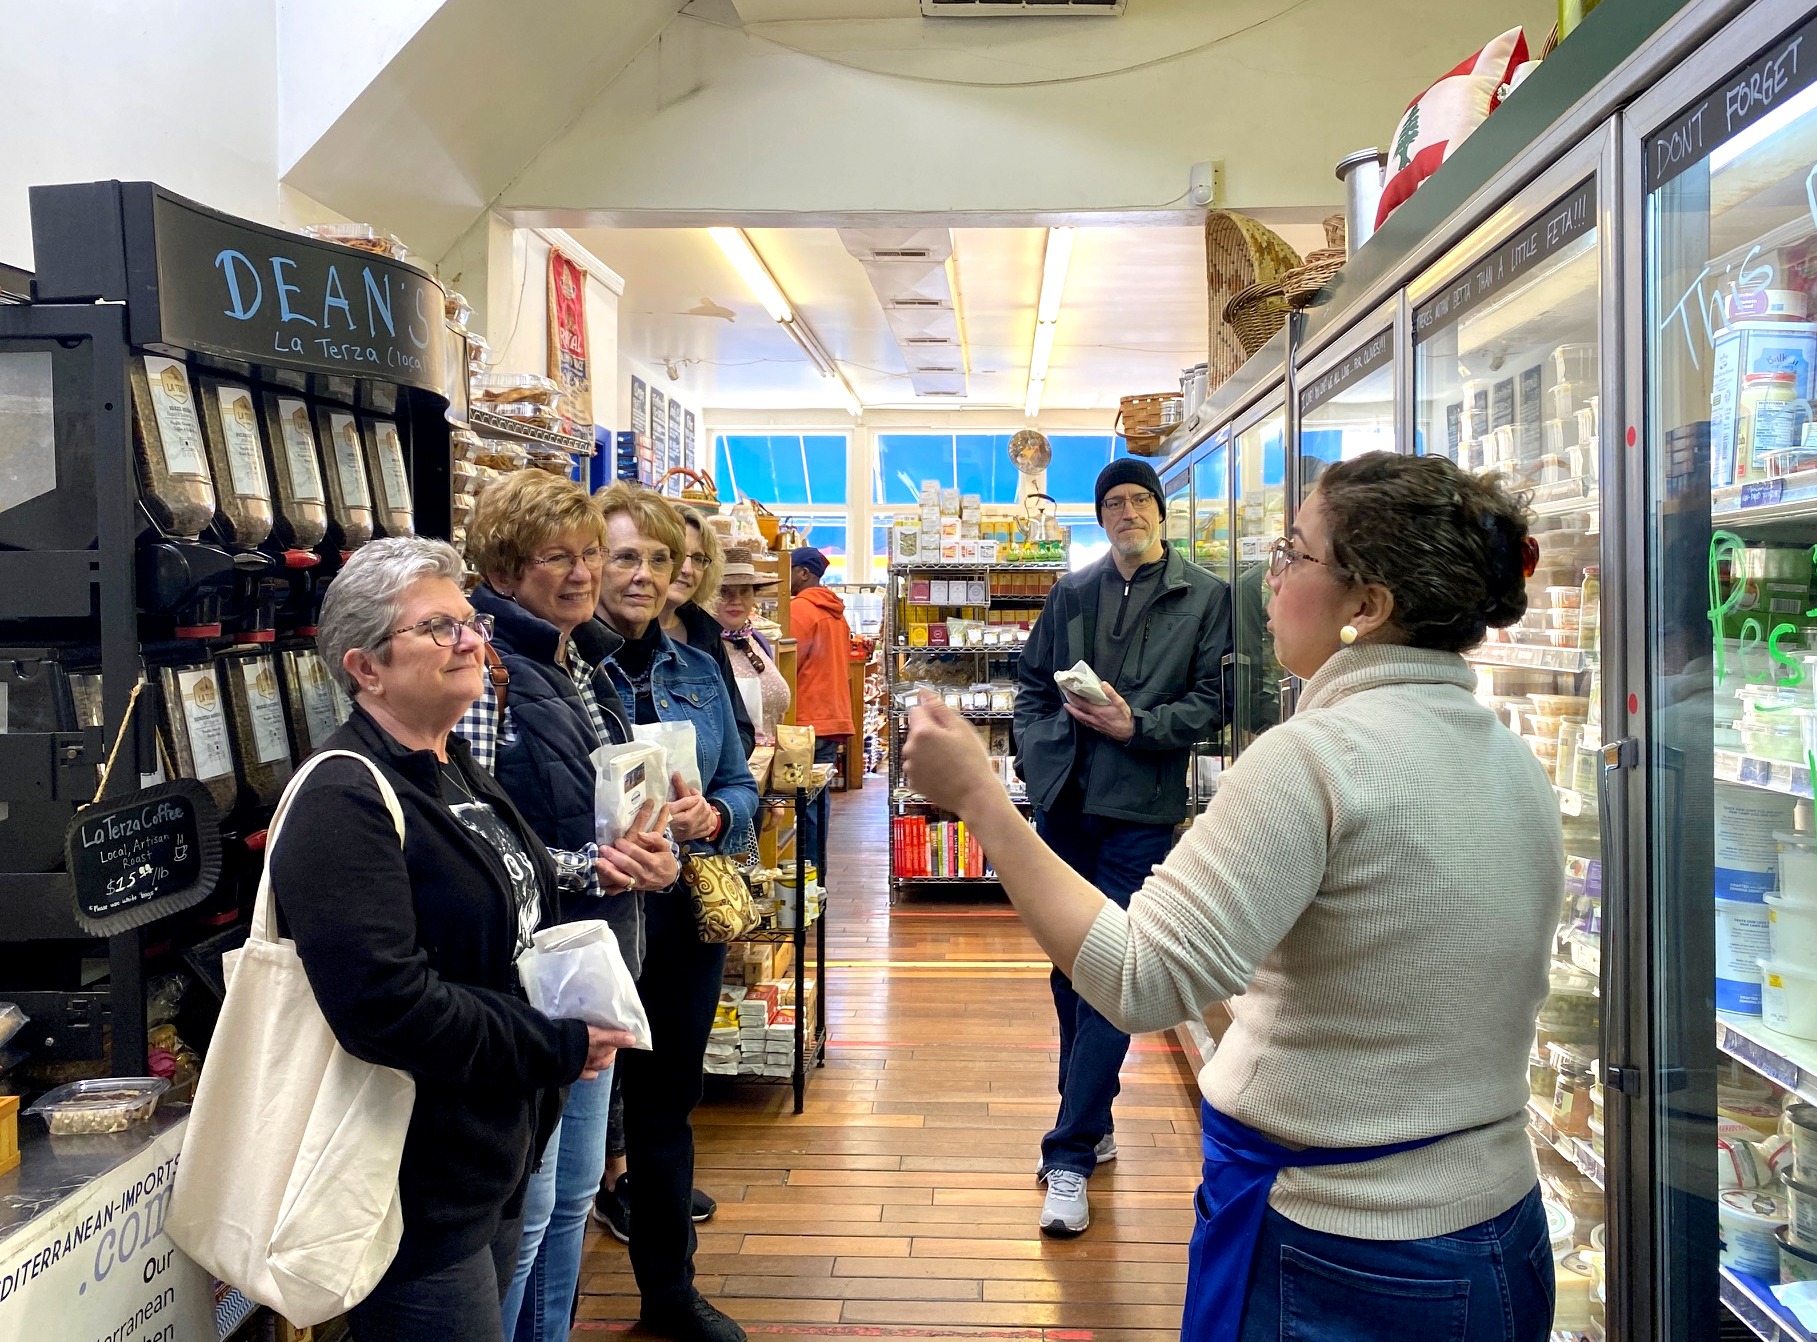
(139, 90)
(328, 52)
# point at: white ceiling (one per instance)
(1134, 314)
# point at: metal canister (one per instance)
(1363, 174)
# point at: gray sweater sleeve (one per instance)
(1225, 897)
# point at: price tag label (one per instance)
(1762, 493)
(1756, 772)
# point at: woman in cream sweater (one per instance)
(1374, 891)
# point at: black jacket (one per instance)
(1172, 678)
(545, 745)
(410, 955)
(705, 633)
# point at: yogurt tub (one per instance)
(1788, 999)
(1803, 1218)
(1795, 1264)
(1560, 705)
(1743, 941)
(1747, 857)
(1561, 1228)
(1803, 1118)
(1751, 1221)
(1793, 924)
(1797, 864)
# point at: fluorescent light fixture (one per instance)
(811, 347)
(1764, 129)
(1053, 273)
(1043, 351)
(850, 397)
(752, 270)
(1032, 407)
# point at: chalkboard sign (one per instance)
(196, 279)
(1512, 263)
(1747, 96)
(142, 857)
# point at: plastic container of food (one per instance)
(1565, 399)
(1559, 435)
(1545, 748)
(1574, 363)
(385, 465)
(1789, 460)
(1568, 597)
(1751, 1221)
(515, 388)
(1803, 1120)
(501, 454)
(1743, 939)
(1788, 1000)
(1773, 739)
(1561, 1227)
(532, 413)
(296, 472)
(1803, 1220)
(1568, 1016)
(105, 1104)
(465, 444)
(1792, 923)
(363, 237)
(174, 476)
(456, 308)
(230, 428)
(349, 490)
(1767, 305)
(1795, 1264)
(1561, 705)
(1738, 1164)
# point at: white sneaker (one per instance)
(1065, 1212)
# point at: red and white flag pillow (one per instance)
(1442, 117)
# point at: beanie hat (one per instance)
(809, 558)
(1127, 471)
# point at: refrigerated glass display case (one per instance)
(1507, 362)
(1347, 404)
(1725, 149)
(1260, 506)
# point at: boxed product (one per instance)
(949, 503)
(905, 539)
(1746, 348)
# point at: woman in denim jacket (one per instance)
(661, 680)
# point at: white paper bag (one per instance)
(681, 755)
(1082, 682)
(575, 972)
(625, 777)
(289, 1165)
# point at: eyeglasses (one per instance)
(1282, 556)
(1143, 502)
(562, 563)
(696, 558)
(445, 630)
(629, 561)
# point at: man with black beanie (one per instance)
(1108, 781)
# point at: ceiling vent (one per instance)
(910, 271)
(1020, 9)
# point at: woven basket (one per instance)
(1336, 235)
(1139, 422)
(1240, 255)
(1302, 286)
(1254, 315)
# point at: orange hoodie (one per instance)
(823, 653)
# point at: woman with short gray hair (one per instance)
(411, 947)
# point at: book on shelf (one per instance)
(936, 849)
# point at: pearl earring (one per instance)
(1347, 635)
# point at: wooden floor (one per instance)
(903, 1203)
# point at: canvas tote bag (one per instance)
(287, 1184)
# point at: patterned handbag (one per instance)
(723, 907)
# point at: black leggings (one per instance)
(457, 1303)
(680, 987)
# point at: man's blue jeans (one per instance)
(540, 1303)
(1115, 856)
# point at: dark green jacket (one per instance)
(1172, 679)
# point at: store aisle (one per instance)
(903, 1202)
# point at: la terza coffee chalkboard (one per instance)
(142, 857)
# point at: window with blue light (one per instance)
(781, 468)
(828, 537)
(1078, 457)
(978, 463)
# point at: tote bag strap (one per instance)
(264, 910)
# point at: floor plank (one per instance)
(903, 1203)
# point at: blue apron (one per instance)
(1240, 1169)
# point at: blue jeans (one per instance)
(1490, 1283)
(539, 1305)
(1116, 856)
(812, 834)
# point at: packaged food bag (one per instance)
(676, 741)
(1080, 681)
(793, 765)
(575, 972)
(625, 777)
(761, 759)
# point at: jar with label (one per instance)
(385, 462)
(1571, 1102)
(1770, 419)
(174, 479)
(301, 521)
(258, 724)
(230, 427)
(316, 705)
(196, 730)
(349, 491)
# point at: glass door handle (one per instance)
(1617, 756)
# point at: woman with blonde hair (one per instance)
(539, 546)
(686, 616)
